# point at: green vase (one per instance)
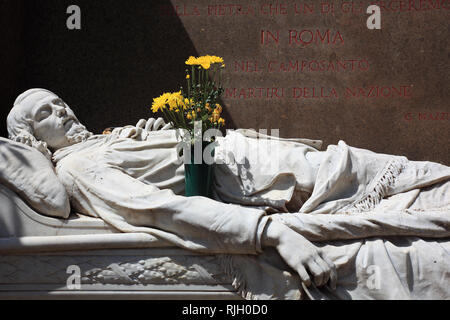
(199, 177)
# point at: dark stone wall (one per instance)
(129, 52)
(108, 72)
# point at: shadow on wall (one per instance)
(126, 54)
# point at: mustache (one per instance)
(69, 118)
(78, 133)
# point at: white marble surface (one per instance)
(130, 181)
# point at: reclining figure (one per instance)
(134, 181)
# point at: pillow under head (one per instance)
(31, 175)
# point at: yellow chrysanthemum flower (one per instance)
(216, 116)
(219, 108)
(192, 61)
(204, 62)
(160, 102)
(175, 100)
(187, 103)
(215, 59)
(221, 121)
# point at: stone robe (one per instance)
(134, 181)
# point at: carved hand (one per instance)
(153, 124)
(300, 254)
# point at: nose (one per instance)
(60, 111)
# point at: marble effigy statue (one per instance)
(297, 222)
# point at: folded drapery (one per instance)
(356, 195)
(383, 220)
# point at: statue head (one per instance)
(45, 117)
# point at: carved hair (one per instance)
(20, 127)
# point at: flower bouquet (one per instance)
(194, 111)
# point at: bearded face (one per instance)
(53, 121)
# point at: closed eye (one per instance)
(59, 102)
(43, 113)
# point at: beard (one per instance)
(78, 133)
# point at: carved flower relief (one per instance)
(180, 270)
(201, 270)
